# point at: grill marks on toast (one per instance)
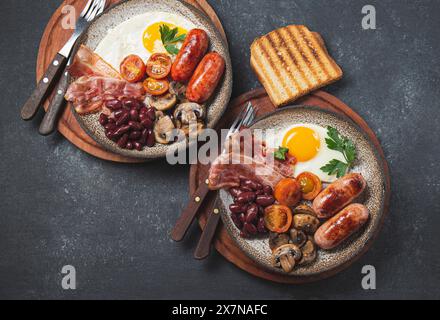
(291, 62)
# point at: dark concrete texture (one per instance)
(111, 221)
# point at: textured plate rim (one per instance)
(359, 252)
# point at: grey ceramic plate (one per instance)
(369, 164)
(124, 11)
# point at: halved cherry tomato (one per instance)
(278, 218)
(288, 192)
(133, 68)
(310, 184)
(159, 66)
(156, 87)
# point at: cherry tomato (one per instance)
(133, 68)
(156, 87)
(310, 184)
(159, 66)
(278, 218)
(288, 192)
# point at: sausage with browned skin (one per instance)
(193, 50)
(342, 226)
(338, 195)
(206, 78)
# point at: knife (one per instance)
(44, 86)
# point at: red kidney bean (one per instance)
(144, 137)
(265, 200)
(259, 192)
(123, 118)
(121, 130)
(110, 126)
(235, 192)
(122, 142)
(113, 104)
(134, 115)
(129, 145)
(236, 208)
(151, 140)
(250, 228)
(268, 190)
(261, 211)
(131, 103)
(246, 197)
(118, 113)
(261, 227)
(242, 218)
(252, 185)
(147, 123)
(246, 189)
(151, 113)
(252, 213)
(109, 134)
(136, 126)
(244, 234)
(134, 135)
(111, 120)
(138, 146)
(103, 119)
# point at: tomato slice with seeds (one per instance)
(156, 87)
(288, 192)
(159, 66)
(133, 68)
(310, 184)
(278, 218)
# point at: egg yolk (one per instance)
(152, 35)
(303, 143)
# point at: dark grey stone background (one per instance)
(111, 221)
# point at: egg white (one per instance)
(323, 157)
(127, 37)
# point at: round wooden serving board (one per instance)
(53, 39)
(224, 243)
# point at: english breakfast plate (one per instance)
(313, 152)
(147, 47)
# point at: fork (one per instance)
(189, 214)
(204, 246)
(44, 86)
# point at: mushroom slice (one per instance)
(286, 257)
(189, 112)
(297, 237)
(309, 252)
(164, 102)
(178, 89)
(194, 129)
(163, 130)
(304, 209)
(306, 222)
(277, 240)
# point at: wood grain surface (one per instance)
(53, 39)
(224, 243)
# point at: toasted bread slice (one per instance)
(291, 62)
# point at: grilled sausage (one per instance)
(206, 78)
(193, 49)
(338, 195)
(340, 227)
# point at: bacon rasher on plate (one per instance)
(260, 165)
(88, 94)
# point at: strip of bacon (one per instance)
(88, 63)
(88, 94)
(259, 165)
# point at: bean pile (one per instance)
(130, 124)
(247, 211)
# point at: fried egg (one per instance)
(306, 142)
(139, 35)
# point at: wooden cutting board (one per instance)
(223, 243)
(53, 39)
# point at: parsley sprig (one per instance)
(281, 153)
(170, 38)
(337, 142)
